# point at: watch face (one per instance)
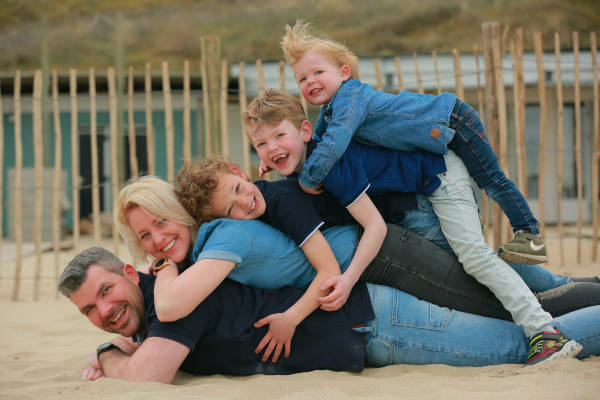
(159, 262)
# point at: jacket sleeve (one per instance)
(348, 111)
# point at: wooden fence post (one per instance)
(166, 84)
(94, 158)
(491, 33)
(223, 108)
(559, 147)
(38, 150)
(578, 142)
(149, 129)
(74, 157)
(133, 164)
(211, 57)
(1, 176)
(596, 156)
(537, 44)
(56, 208)
(437, 72)
(18, 186)
(460, 93)
(243, 100)
(187, 123)
(418, 72)
(378, 74)
(114, 148)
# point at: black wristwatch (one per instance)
(104, 347)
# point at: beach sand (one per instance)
(45, 344)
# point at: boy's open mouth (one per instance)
(280, 159)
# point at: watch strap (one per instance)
(104, 347)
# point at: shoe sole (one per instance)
(569, 350)
(521, 258)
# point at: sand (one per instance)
(45, 344)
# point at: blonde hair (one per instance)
(155, 196)
(270, 108)
(298, 40)
(196, 182)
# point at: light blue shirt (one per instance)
(267, 258)
(404, 121)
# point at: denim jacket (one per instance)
(404, 121)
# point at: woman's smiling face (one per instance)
(160, 237)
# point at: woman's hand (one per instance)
(341, 285)
(94, 370)
(279, 336)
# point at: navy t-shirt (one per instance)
(221, 335)
(380, 171)
(299, 214)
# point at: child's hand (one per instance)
(337, 298)
(279, 335)
(263, 169)
(308, 190)
(94, 369)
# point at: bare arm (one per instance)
(157, 359)
(177, 295)
(366, 214)
(282, 325)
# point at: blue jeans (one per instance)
(471, 144)
(411, 331)
(425, 223)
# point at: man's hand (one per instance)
(279, 336)
(308, 190)
(263, 169)
(341, 286)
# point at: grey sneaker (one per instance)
(525, 248)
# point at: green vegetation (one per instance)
(82, 33)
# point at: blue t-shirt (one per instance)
(221, 336)
(266, 257)
(299, 214)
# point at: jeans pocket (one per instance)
(419, 314)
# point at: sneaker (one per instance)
(525, 248)
(546, 346)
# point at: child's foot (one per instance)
(525, 248)
(546, 346)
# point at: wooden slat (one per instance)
(38, 170)
(133, 163)
(223, 108)
(458, 74)
(537, 44)
(485, 212)
(596, 154)
(378, 74)
(114, 146)
(56, 193)
(520, 123)
(18, 225)
(260, 76)
(187, 120)
(418, 72)
(243, 105)
(1, 178)
(437, 72)
(282, 75)
(169, 131)
(94, 158)
(399, 74)
(149, 127)
(74, 156)
(206, 106)
(578, 163)
(559, 147)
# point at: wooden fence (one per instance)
(214, 72)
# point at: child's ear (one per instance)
(306, 130)
(346, 72)
(239, 172)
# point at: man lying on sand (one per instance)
(377, 326)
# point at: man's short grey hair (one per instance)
(75, 272)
